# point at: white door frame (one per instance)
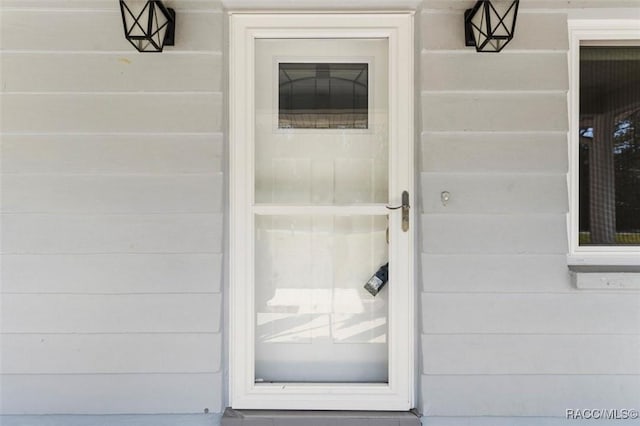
(398, 393)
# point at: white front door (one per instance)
(320, 149)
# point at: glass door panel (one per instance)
(314, 319)
(321, 132)
(321, 143)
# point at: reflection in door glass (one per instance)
(321, 128)
(323, 96)
(315, 321)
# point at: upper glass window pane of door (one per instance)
(321, 121)
(323, 96)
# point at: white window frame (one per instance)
(593, 31)
(244, 393)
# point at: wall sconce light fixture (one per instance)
(490, 27)
(148, 25)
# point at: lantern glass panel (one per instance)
(510, 20)
(136, 17)
(145, 46)
(479, 27)
(159, 27)
(497, 44)
(500, 27)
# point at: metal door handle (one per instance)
(405, 210)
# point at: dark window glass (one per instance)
(323, 96)
(609, 155)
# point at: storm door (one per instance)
(322, 234)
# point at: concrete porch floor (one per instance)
(233, 417)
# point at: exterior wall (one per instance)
(504, 332)
(112, 195)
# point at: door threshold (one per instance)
(233, 417)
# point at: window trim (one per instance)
(597, 32)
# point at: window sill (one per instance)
(606, 280)
(612, 261)
(602, 271)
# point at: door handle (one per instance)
(405, 210)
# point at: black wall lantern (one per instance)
(490, 27)
(148, 25)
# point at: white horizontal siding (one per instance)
(123, 72)
(531, 354)
(494, 234)
(494, 193)
(110, 353)
(112, 113)
(519, 152)
(531, 313)
(535, 31)
(112, 154)
(112, 199)
(491, 111)
(111, 393)
(477, 273)
(112, 194)
(119, 313)
(102, 5)
(112, 273)
(508, 338)
(538, 6)
(518, 71)
(47, 29)
(114, 420)
(117, 233)
(526, 395)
